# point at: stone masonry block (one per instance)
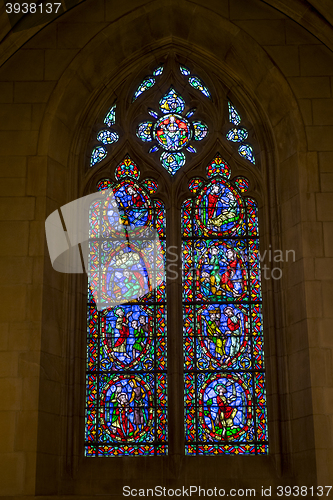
(326, 161)
(322, 111)
(328, 238)
(15, 117)
(12, 166)
(21, 143)
(316, 60)
(264, 32)
(77, 35)
(37, 173)
(296, 34)
(326, 182)
(56, 61)
(320, 138)
(285, 57)
(24, 65)
(6, 92)
(310, 87)
(242, 9)
(305, 105)
(324, 268)
(11, 391)
(12, 466)
(17, 208)
(16, 270)
(324, 202)
(12, 186)
(13, 302)
(33, 91)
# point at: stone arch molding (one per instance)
(128, 45)
(219, 47)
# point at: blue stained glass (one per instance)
(246, 151)
(146, 84)
(126, 395)
(172, 102)
(172, 162)
(144, 131)
(190, 112)
(172, 132)
(196, 83)
(110, 117)
(225, 399)
(200, 130)
(158, 71)
(237, 134)
(191, 149)
(153, 149)
(184, 71)
(153, 113)
(98, 154)
(234, 116)
(107, 136)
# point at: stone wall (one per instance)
(52, 88)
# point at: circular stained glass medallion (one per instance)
(172, 132)
(225, 409)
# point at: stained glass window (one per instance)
(225, 410)
(246, 151)
(110, 117)
(239, 134)
(195, 81)
(98, 154)
(172, 131)
(147, 82)
(107, 136)
(126, 402)
(234, 116)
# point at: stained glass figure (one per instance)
(184, 71)
(104, 184)
(246, 151)
(172, 102)
(242, 183)
(146, 84)
(126, 401)
(107, 136)
(237, 134)
(234, 116)
(172, 162)
(194, 184)
(218, 167)
(225, 399)
(200, 130)
(196, 83)
(127, 168)
(172, 132)
(98, 154)
(110, 117)
(144, 131)
(151, 185)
